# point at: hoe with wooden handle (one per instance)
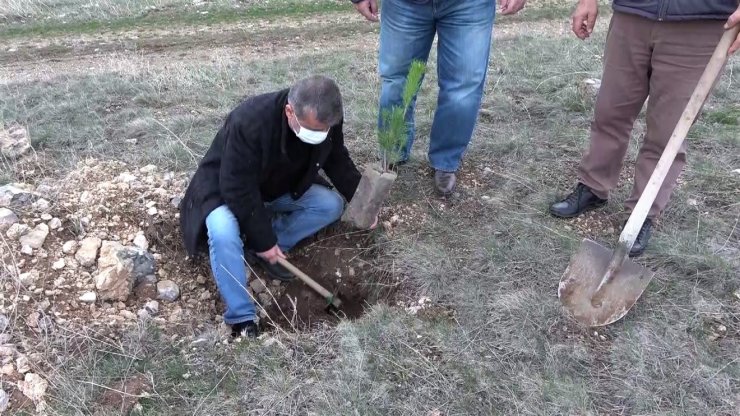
(331, 300)
(600, 285)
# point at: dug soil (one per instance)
(345, 262)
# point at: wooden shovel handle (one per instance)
(639, 214)
(701, 92)
(330, 298)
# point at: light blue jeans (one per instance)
(463, 28)
(293, 221)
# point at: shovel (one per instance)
(331, 300)
(600, 285)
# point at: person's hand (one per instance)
(511, 6)
(272, 254)
(733, 21)
(369, 9)
(584, 18)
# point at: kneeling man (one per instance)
(259, 185)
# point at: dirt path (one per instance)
(42, 59)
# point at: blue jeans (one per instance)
(464, 28)
(293, 221)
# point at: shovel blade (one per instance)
(582, 277)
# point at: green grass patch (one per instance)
(173, 17)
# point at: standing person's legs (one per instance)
(681, 52)
(406, 33)
(304, 217)
(624, 88)
(226, 251)
(464, 42)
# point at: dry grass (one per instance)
(496, 340)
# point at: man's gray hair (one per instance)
(317, 94)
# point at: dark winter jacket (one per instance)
(256, 158)
(672, 10)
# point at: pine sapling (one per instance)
(393, 132)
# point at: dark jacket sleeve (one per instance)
(340, 168)
(239, 180)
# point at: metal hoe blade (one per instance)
(582, 277)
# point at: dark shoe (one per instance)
(274, 270)
(643, 237)
(582, 199)
(246, 329)
(445, 182)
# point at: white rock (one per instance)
(128, 315)
(88, 251)
(58, 265)
(17, 195)
(37, 236)
(14, 141)
(126, 177)
(4, 401)
(148, 169)
(141, 242)
(7, 352)
(22, 365)
(46, 217)
(7, 218)
(27, 250)
(33, 386)
(592, 86)
(257, 285)
(16, 231)
(69, 247)
(167, 290)
(55, 223)
(152, 211)
(7, 369)
(265, 299)
(128, 265)
(85, 198)
(88, 297)
(42, 205)
(114, 280)
(152, 307)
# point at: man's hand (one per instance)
(584, 18)
(733, 21)
(369, 9)
(511, 6)
(272, 254)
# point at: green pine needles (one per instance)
(393, 134)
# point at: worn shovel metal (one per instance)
(600, 285)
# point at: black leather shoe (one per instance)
(275, 271)
(643, 237)
(246, 329)
(582, 199)
(445, 182)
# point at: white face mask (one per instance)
(310, 136)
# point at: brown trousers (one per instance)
(642, 57)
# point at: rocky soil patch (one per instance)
(100, 251)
